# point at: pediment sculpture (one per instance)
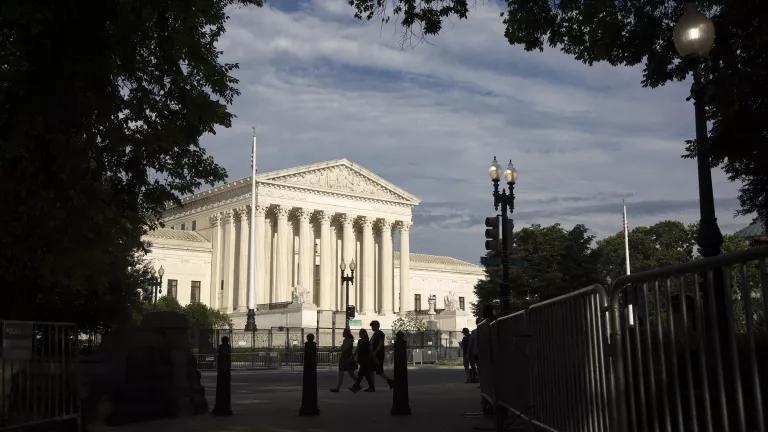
(341, 179)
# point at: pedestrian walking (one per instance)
(365, 360)
(474, 351)
(223, 406)
(378, 341)
(464, 344)
(347, 363)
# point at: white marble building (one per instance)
(308, 219)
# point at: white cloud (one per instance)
(320, 85)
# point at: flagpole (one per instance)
(250, 324)
(630, 308)
(626, 236)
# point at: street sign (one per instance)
(356, 323)
(16, 340)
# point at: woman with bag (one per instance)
(347, 361)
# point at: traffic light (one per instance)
(492, 242)
(350, 311)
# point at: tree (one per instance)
(102, 105)
(662, 244)
(204, 316)
(546, 262)
(409, 323)
(636, 32)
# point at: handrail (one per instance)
(577, 293)
(693, 266)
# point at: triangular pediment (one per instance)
(342, 176)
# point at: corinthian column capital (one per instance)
(405, 225)
(215, 219)
(282, 211)
(366, 221)
(324, 216)
(260, 210)
(304, 214)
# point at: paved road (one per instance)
(269, 401)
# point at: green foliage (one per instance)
(103, 105)
(633, 32)
(409, 323)
(665, 243)
(203, 316)
(546, 262)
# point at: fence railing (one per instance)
(38, 375)
(682, 348)
(294, 359)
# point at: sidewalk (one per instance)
(269, 401)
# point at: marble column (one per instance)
(326, 283)
(231, 247)
(348, 252)
(306, 253)
(282, 257)
(215, 274)
(260, 290)
(269, 259)
(368, 258)
(406, 300)
(386, 272)
(242, 262)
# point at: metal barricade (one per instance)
(681, 348)
(38, 375)
(691, 345)
(568, 361)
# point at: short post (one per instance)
(400, 404)
(309, 382)
(223, 405)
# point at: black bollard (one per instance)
(223, 406)
(309, 382)
(400, 404)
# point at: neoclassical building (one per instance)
(307, 221)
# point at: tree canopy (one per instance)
(639, 32)
(550, 261)
(546, 262)
(102, 105)
(664, 243)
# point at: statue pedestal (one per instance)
(455, 320)
(295, 315)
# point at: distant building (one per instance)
(308, 220)
(755, 233)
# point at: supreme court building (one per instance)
(308, 220)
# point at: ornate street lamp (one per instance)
(157, 285)
(694, 36)
(346, 280)
(505, 199)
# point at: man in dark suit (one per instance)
(377, 346)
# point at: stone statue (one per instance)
(450, 301)
(298, 295)
(432, 301)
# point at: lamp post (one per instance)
(505, 199)
(694, 35)
(157, 285)
(346, 280)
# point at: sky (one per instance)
(429, 116)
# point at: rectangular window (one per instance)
(194, 225)
(461, 303)
(183, 226)
(417, 302)
(194, 296)
(173, 287)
